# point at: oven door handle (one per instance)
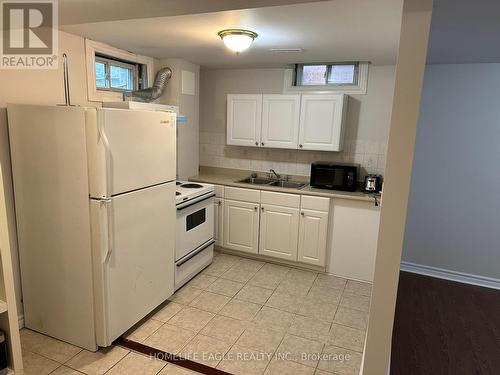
(194, 253)
(194, 201)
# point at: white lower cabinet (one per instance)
(313, 231)
(279, 228)
(300, 228)
(219, 221)
(354, 239)
(241, 226)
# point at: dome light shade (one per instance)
(236, 39)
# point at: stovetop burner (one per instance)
(186, 190)
(191, 186)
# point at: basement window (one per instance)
(334, 77)
(116, 75)
(112, 71)
(326, 74)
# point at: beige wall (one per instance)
(46, 86)
(187, 133)
(367, 130)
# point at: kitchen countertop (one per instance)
(227, 177)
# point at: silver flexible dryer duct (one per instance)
(152, 93)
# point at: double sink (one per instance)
(272, 182)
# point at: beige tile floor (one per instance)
(239, 315)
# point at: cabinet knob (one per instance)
(302, 213)
(219, 203)
(262, 208)
(255, 208)
(300, 146)
(262, 143)
(256, 143)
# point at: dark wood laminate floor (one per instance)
(443, 327)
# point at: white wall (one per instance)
(454, 210)
(367, 123)
(189, 106)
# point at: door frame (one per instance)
(416, 19)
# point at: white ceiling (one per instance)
(464, 31)
(85, 11)
(337, 30)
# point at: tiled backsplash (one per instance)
(215, 153)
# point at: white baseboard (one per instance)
(441, 273)
(20, 319)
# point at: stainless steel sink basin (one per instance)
(288, 184)
(255, 181)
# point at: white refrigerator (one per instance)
(95, 209)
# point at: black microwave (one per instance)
(334, 176)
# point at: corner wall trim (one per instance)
(441, 273)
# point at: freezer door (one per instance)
(133, 252)
(130, 150)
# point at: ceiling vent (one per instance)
(286, 50)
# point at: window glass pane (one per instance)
(121, 77)
(342, 74)
(313, 75)
(100, 75)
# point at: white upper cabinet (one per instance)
(244, 118)
(280, 121)
(304, 122)
(322, 119)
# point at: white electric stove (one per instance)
(194, 242)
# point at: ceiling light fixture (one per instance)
(237, 39)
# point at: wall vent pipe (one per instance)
(152, 93)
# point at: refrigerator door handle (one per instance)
(108, 156)
(109, 227)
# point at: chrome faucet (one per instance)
(274, 172)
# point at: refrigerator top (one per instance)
(141, 106)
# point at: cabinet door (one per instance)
(354, 239)
(244, 119)
(278, 232)
(280, 121)
(322, 122)
(241, 226)
(312, 237)
(218, 221)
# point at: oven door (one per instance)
(195, 225)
